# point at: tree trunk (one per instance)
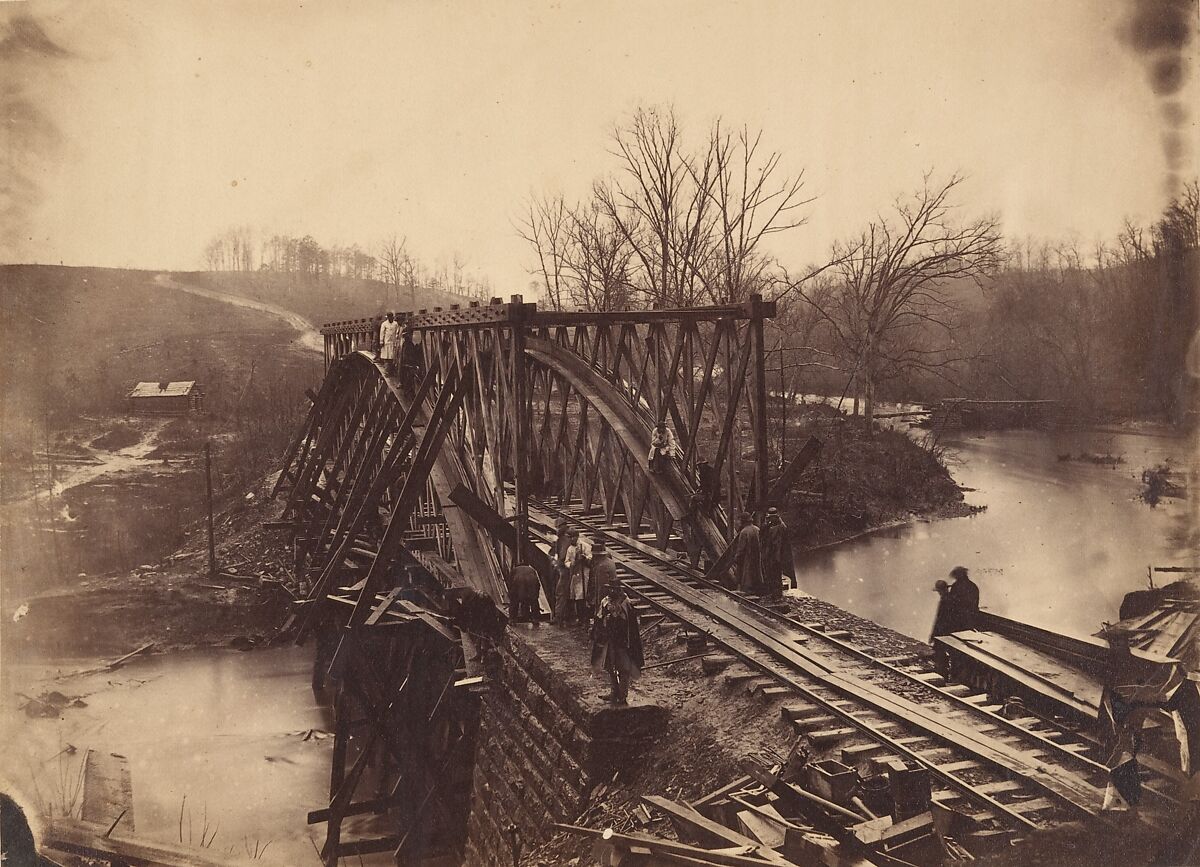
(868, 382)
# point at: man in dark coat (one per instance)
(776, 553)
(709, 484)
(941, 626)
(604, 573)
(523, 587)
(747, 557)
(962, 602)
(617, 642)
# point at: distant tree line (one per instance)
(389, 262)
(1107, 329)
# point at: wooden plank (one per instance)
(705, 828)
(681, 852)
(386, 603)
(796, 466)
(502, 531)
(81, 838)
(107, 790)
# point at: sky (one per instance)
(150, 127)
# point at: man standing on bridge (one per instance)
(604, 573)
(709, 484)
(775, 553)
(523, 587)
(617, 642)
(662, 447)
(747, 557)
(389, 339)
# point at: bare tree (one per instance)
(598, 261)
(894, 308)
(661, 204)
(752, 202)
(674, 226)
(393, 265)
(545, 226)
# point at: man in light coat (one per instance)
(389, 341)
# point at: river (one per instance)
(1058, 545)
(228, 742)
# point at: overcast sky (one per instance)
(170, 121)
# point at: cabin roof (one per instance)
(163, 389)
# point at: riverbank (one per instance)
(169, 601)
(866, 482)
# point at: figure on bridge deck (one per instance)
(709, 484)
(662, 448)
(523, 587)
(693, 541)
(568, 538)
(389, 340)
(776, 553)
(412, 362)
(617, 642)
(604, 573)
(747, 557)
(580, 565)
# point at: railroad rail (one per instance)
(1022, 774)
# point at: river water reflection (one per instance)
(228, 731)
(1059, 544)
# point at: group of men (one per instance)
(586, 591)
(762, 557)
(582, 572)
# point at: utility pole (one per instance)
(212, 548)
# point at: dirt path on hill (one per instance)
(309, 338)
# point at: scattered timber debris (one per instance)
(802, 811)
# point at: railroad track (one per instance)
(1021, 774)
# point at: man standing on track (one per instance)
(617, 642)
(747, 557)
(662, 448)
(389, 338)
(775, 553)
(604, 573)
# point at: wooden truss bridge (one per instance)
(517, 421)
(437, 464)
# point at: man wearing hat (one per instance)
(604, 573)
(579, 557)
(941, 626)
(617, 642)
(776, 553)
(962, 601)
(564, 607)
(747, 556)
